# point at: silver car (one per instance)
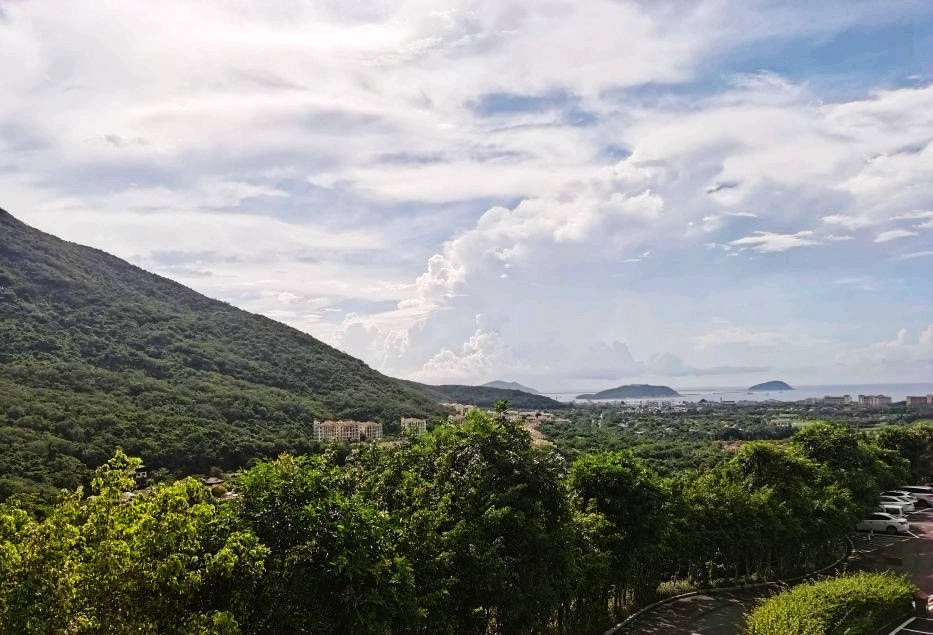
(881, 522)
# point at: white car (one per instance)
(879, 521)
(896, 493)
(903, 503)
(923, 493)
(894, 510)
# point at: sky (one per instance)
(573, 195)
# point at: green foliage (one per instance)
(846, 605)
(159, 563)
(484, 520)
(484, 396)
(468, 529)
(97, 354)
(914, 444)
(853, 460)
(334, 566)
(619, 488)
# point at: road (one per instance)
(722, 613)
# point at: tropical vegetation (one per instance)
(468, 529)
(848, 604)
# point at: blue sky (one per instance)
(568, 194)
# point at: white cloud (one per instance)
(905, 353)
(454, 159)
(893, 234)
(770, 242)
(849, 222)
(724, 334)
(915, 254)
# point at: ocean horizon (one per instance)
(897, 392)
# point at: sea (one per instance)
(896, 391)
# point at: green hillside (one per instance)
(510, 385)
(484, 396)
(96, 353)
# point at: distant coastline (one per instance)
(897, 391)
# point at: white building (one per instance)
(413, 426)
(874, 401)
(346, 430)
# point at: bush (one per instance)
(857, 603)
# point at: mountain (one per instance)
(770, 385)
(510, 385)
(484, 396)
(632, 391)
(96, 353)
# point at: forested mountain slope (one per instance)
(484, 396)
(96, 353)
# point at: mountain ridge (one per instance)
(509, 385)
(484, 396)
(97, 353)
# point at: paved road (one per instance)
(722, 613)
(915, 625)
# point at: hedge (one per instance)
(844, 605)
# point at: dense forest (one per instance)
(469, 529)
(96, 353)
(485, 396)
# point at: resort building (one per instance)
(413, 426)
(874, 401)
(921, 400)
(346, 430)
(460, 408)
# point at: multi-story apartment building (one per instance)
(921, 400)
(346, 430)
(874, 401)
(413, 426)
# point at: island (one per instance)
(770, 386)
(510, 385)
(632, 391)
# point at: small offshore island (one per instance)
(771, 385)
(632, 391)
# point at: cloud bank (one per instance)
(466, 190)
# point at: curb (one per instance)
(741, 587)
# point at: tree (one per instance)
(334, 565)
(484, 521)
(620, 488)
(162, 562)
(914, 443)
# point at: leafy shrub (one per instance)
(857, 603)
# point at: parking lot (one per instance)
(915, 625)
(911, 554)
(723, 613)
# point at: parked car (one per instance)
(897, 493)
(894, 510)
(880, 521)
(903, 503)
(923, 493)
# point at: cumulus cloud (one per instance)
(438, 187)
(908, 352)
